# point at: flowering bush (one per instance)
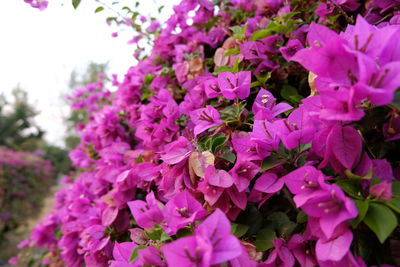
(24, 180)
(256, 133)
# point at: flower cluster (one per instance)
(40, 4)
(256, 133)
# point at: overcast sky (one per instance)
(38, 50)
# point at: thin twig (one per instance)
(349, 19)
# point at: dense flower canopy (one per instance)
(24, 179)
(256, 133)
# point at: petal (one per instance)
(280, 108)
(219, 178)
(227, 248)
(226, 81)
(215, 226)
(178, 252)
(319, 34)
(269, 183)
(238, 198)
(123, 251)
(334, 249)
(346, 145)
(176, 155)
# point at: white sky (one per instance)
(38, 50)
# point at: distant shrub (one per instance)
(24, 179)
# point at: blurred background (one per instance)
(44, 55)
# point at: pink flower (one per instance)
(235, 85)
(182, 210)
(329, 204)
(211, 244)
(280, 256)
(147, 213)
(122, 253)
(265, 106)
(242, 173)
(382, 191)
(205, 118)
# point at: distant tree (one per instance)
(58, 156)
(18, 129)
(79, 79)
(90, 75)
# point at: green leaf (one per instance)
(158, 234)
(260, 34)
(290, 15)
(396, 100)
(236, 65)
(269, 163)
(31, 263)
(362, 244)
(351, 187)
(58, 234)
(304, 147)
(381, 220)
(148, 79)
(232, 51)
(139, 159)
(238, 32)
(396, 189)
(110, 19)
(223, 69)
(100, 8)
(201, 143)
(208, 143)
(135, 253)
(229, 156)
(239, 230)
(301, 217)
(226, 149)
(254, 84)
(236, 29)
(264, 239)
(218, 142)
(362, 206)
(146, 93)
(183, 232)
(164, 237)
(75, 3)
(282, 224)
(232, 112)
(263, 78)
(283, 151)
(394, 204)
(251, 217)
(351, 175)
(289, 93)
(278, 28)
(154, 235)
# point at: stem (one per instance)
(288, 196)
(365, 142)
(110, 8)
(349, 19)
